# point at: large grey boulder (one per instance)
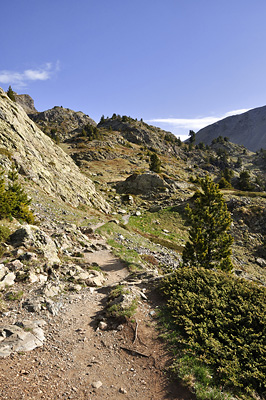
(142, 184)
(31, 236)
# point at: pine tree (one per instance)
(11, 94)
(14, 201)
(155, 163)
(244, 181)
(209, 244)
(192, 137)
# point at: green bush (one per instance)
(155, 163)
(220, 321)
(4, 233)
(244, 182)
(14, 201)
(224, 184)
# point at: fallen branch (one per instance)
(134, 352)
(136, 336)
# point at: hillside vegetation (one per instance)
(217, 321)
(135, 185)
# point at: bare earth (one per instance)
(76, 355)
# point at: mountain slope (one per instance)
(40, 159)
(247, 129)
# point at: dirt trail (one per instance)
(77, 356)
(113, 267)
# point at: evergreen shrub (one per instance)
(14, 201)
(220, 321)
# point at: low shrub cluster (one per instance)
(219, 321)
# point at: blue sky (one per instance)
(178, 64)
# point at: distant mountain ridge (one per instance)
(247, 129)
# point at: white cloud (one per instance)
(181, 126)
(235, 112)
(21, 79)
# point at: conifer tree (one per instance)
(155, 163)
(209, 244)
(192, 137)
(14, 201)
(11, 94)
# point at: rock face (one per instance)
(41, 160)
(66, 122)
(32, 236)
(26, 102)
(247, 129)
(142, 184)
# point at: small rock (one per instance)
(42, 278)
(33, 305)
(3, 271)
(120, 327)
(33, 277)
(97, 384)
(8, 280)
(261, 262)
(122, 390)
(51, 290)
(15, 265)
(103, 325)
(143, 295)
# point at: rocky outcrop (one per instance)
(41, 160)
(247, 129)
(142, 184)
(62, 122)
(23, 336)
(140, 133)
(26, 102)
(31, 236)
